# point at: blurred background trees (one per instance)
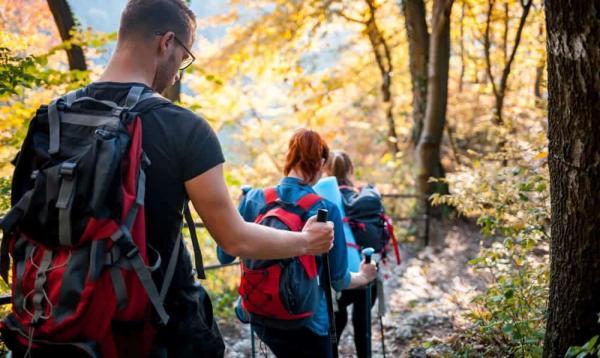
(446, 99)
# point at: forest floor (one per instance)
(427, 297)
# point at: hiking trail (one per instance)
(427, 297)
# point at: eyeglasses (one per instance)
(186, 62)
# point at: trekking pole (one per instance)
(252, 341)
(382, 336)
(368, 252)
(322, 217)
(381, 306)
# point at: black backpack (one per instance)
(81, 266)
(366, 216)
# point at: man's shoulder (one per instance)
(178, 112)
(178, 121)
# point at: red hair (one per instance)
(306, 153)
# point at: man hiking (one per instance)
(182, 159)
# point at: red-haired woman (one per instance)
(307, 154)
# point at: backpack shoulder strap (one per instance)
(308, 201)
(198, 262)
(149, 101)
(348, 187)
(271, 195)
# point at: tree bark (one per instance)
(65, 21)
(573, 50)
(418, 55)
(428, 149)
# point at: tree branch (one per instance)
(486, 47)
(262, 139)
(349, 18)
(65, 21)
(508, 65)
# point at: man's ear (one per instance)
(166, 41)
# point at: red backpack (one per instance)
(282, 294)
(76, 232)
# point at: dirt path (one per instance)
(427, 297)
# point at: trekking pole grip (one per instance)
(322, 215)
(368, 252)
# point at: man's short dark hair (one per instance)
(146, 18)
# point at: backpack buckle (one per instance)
(125, 243)
(68, 169)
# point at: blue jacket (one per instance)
(291, 189)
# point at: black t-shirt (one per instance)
(180, 146)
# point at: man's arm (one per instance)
(211, 199)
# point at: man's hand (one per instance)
(319, 236)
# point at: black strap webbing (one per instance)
(195, 244)
(119, 287)
(54, 128)
(170, 269)
(123, 239)
(7, 224)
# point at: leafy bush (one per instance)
(512, 207)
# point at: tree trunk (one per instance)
(505, 33)
(428, 149)
(462, 47)
(383, 57)
(573, 50)
(418, 55)
(65, 21)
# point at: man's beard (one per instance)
(165, 75)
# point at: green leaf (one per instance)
(590, 344)
(526, 187)
(476, 260)
(540, 187)
(573, 351)
(496, 298)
